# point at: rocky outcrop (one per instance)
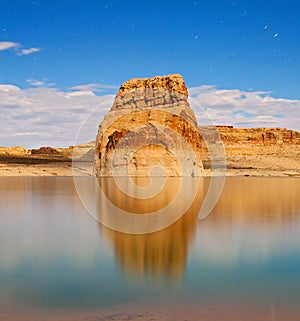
(266, 136)
(83, 152)
(173, 83)
(45, 151)
(14, 151)
(150, 123)
(256, 151)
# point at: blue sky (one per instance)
(251, 46)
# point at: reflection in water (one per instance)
(252, 219)
(138, 208)
(242, 262)
(160, 254)
(263, 199)
(256, 220)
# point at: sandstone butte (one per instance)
(150, 127)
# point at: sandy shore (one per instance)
(84, 169)
(49, 169)
(165, 312)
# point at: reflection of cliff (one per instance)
(266, 199)
(255, 220)
(160, 254)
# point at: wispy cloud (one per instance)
(25, 134)
(6, 45)
(94, 87)
(28, 51)
(18, 48)
(39, 83)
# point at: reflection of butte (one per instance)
(160, 254)
(259, 200)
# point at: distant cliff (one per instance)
(265, 136)
(257, 151)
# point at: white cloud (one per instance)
(39, 83)
(44, 116)
(18, 48)
(25, 134)
(48, 116)
(94, 87)
(8, 88)
(244, 108)
(36, 83)
(28, 51)
(5, 45)
(198, 90)
(79, 93)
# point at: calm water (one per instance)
(241, 263)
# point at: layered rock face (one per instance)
(149, 129)
(256, 151)
(266, 136)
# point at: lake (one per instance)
(242, 262)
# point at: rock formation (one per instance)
(149, 129)
(45, 151)
(265, 136)
(16, 151)
(256, 151)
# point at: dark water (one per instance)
(241, 263)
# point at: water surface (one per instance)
(242, 262)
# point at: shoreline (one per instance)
(255, 160)
(162, 311)
(84, 169)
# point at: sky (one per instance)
(61, 62)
